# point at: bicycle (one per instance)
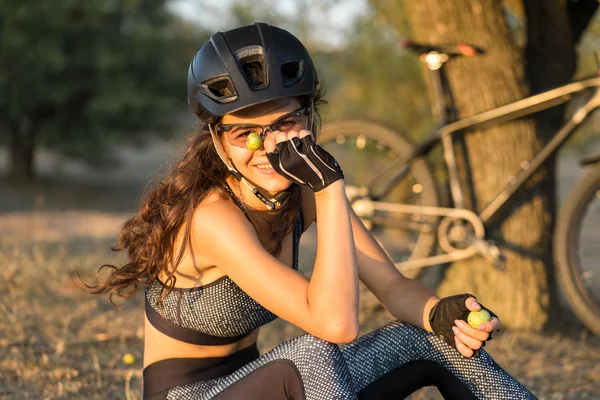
(397, 196)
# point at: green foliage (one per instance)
(374, 78)
(245, 13)
(85, 75)
(370, 77)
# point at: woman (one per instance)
(216, 246)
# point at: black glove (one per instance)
(446, 311)
(304, 162)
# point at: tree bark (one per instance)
(553, 29)
(21, 149)
(521, 294)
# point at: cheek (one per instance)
(240, 156)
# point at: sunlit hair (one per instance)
(167, 206)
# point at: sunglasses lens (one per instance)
(239, 137)
(250, 137)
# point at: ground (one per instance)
(57, 342)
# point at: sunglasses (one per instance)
(237, 134)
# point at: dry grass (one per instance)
(57, 342)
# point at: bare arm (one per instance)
(327, 305)
(406, 299)
(333, 288)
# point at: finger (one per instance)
(496, 324)
(493, 325)
(469, 341)
(462, 349)
(304, 133)
(269, 143)
(292, 134)
(472, 304)
(470, 331)
(486, 327)
(280, 137)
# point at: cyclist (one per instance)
(215, 244)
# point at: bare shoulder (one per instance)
(309, 210)
(217, 214)
(218, 225)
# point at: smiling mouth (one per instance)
(265, 167)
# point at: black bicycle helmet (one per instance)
(247, 66)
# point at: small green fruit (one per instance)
(477, 318)
(253, 141)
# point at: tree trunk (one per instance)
(21, 153)
(521, 294)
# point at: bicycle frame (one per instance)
(508, 112)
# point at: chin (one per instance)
(275, 187)
(271, 184)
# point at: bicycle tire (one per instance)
(566, 254)
(371, 132)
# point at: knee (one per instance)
(309, 341)
(397, 331)
(311, 346)
(398, 337)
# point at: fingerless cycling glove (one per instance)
(446, 311)
(306, 163)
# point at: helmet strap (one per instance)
(221, 152)
(274, 202)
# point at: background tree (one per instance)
(81, 76)
(374, 78)
(505, 73)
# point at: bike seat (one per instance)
(458, 49)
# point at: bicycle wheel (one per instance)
(364, 149)
(576, 250)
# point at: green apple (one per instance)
(477, 318)
(253, 141)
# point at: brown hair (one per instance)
(167, 206)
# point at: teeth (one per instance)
(264, 166)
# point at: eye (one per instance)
(285, 125)
(242, 134)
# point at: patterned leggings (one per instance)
(329, 372)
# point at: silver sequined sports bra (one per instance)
(213, 314)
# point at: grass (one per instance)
(57, 342)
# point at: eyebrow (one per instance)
(243, 125)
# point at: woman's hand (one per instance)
(272, 139)
(298, 158)
(448, 320)
(468, 339)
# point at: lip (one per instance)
(265, 171)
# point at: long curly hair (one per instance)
(167, 206)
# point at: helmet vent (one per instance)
(291, 72)
(220, 89)
(252, 62)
